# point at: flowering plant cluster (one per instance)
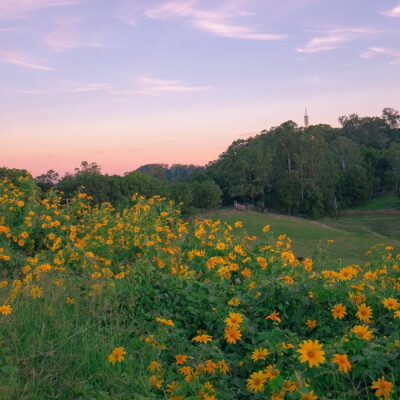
(138, 303)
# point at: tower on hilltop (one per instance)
(306, 120)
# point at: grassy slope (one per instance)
(353, 234)
(380, 203)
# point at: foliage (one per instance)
(307, 171)
(175, 173)
(97, 303)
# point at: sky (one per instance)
(130, 82)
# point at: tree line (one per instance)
(314, 171)
(172, 182)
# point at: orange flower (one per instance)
(256, 381)
(203, 338)
(259, 354)
(180, 359)
(167, 322)
(5, 309)
(309, 396)
(338, 311)
(364, 313)
(234, 320)
(274, 317)
(382, 387)
(391, 303)
(117, 355)
(232, 334)
(342, 362)
(363, 332)
(311, 324)
(312, 352)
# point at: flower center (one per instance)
(311, 353)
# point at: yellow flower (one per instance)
(271, 372)
(363, 332)
(234, 302)
(287, 346)
(203, 338)
(5, 309)
(391, 303)
(36, 292)
(309, 396)
(156, 381)
(232, 334)
(167, 322)
(338, 311)
(382, 387)
(256, 381)
(342, 362)
(364, 313)
(234, 320)
(172, 387)
(223, 366)
(153, 366)
(266, 228)
(312, 352)
(259, 354)
(117, 355)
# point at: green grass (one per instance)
(380, 203)
(353, 234)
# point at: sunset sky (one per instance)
(129, 82)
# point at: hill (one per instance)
(353, 234)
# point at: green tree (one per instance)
(48, 180)
(206, 195)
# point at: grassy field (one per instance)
(381, 203)
(353, 234)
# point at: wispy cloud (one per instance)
(10, 8)
(374, 51)
(332, 39)
(66, 35)
(90, 87)
(394, 12)
(23, 91)
(155, 87)
(23, 61)
(220, 21)
(143, 85)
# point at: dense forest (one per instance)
(314, 171)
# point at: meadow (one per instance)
(354, 232)
(142, 304)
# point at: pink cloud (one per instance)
(12, 8)
(66, 35)
(331, 39)
(374, 51)
(13, 57)
(220, 22)
(394, 12)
